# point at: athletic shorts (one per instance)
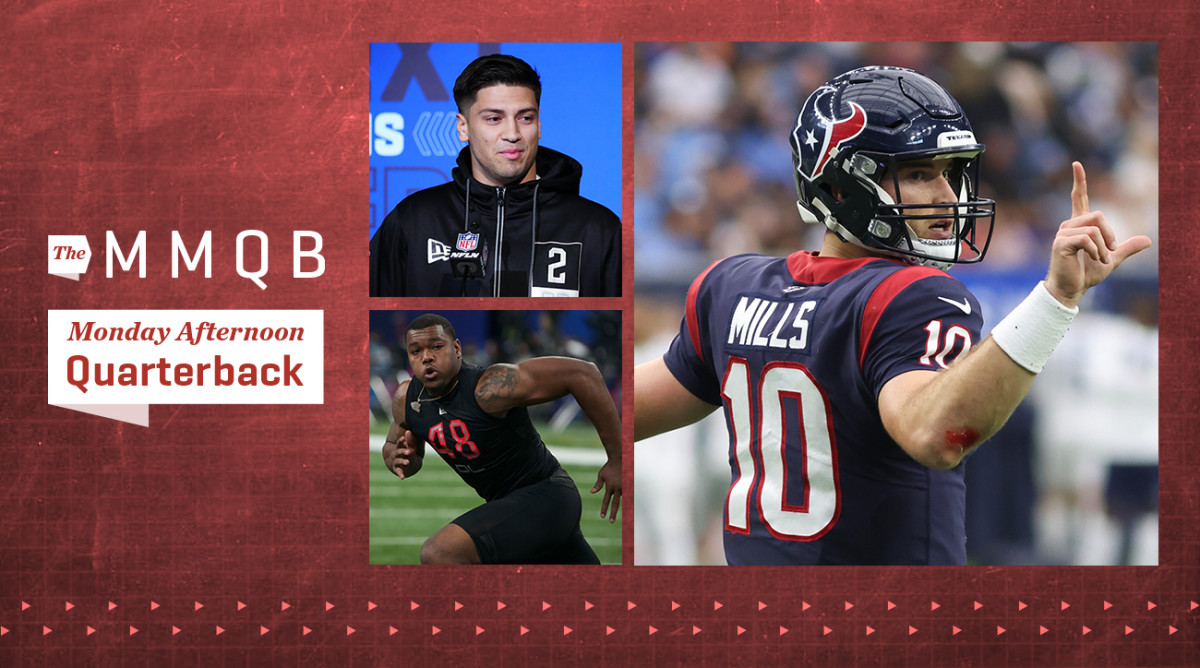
(538, 524)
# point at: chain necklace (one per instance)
(416, 405)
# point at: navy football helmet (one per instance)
(854, 131)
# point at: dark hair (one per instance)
(494, 70)
(431, 320)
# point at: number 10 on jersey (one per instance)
(765, 470)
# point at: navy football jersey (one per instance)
(796, 351)
(493, 455)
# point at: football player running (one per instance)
(853, 379)
(475, 418)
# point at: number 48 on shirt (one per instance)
(462, 440)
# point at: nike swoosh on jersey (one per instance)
(964, 305)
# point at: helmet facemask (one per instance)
(966, 215)
(850, 201)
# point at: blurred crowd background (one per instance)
(1073, 478)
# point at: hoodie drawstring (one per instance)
(533, 238)
(532, 235)
(467, 211)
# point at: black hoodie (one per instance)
(539, 238)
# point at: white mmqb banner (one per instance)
(134, 358)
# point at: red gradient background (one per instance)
(237, 535)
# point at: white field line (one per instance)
(412, 541)
(460, 491)
(415, 513)
(435, 473)
(573, 456)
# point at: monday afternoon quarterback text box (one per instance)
(185, 357)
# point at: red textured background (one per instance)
(237, 535)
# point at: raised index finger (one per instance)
(1079, 197)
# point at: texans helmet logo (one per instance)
(839, 130)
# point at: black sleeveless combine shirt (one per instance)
(493, 455)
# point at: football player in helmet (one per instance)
(853, 379)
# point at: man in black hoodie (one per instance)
(511, 223)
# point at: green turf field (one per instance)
(405, 513)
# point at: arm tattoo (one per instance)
(498, 383)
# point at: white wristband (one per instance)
(1030, 333)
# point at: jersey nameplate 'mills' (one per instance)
(766, 323)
